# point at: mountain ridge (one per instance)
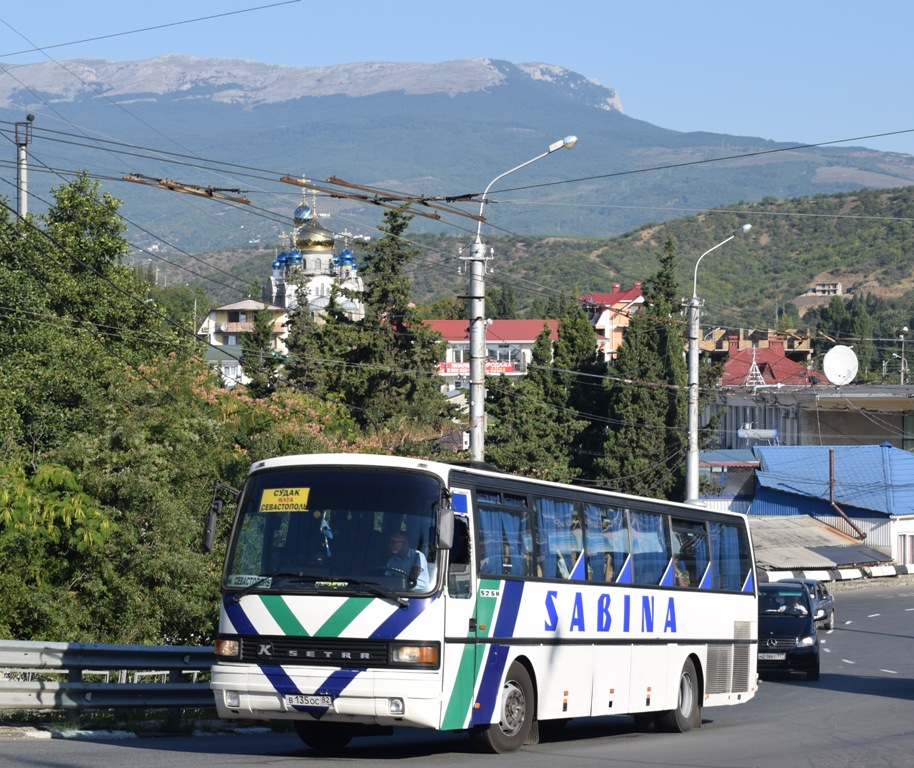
(436, 130)
(250, 82)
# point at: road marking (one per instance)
(874, 615)
(889, 671)
(827, 650)
(848, 661)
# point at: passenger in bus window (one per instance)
(680, 572)
(408, 562)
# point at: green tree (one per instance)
(382, 367)
(501, 302)
(258, 360)
(644, 449)
(529, 430)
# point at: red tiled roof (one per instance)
(611, 299)
(774, 367)
(499, 330)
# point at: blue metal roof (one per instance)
(869, 477)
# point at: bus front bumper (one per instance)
(370, 696)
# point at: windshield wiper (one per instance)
(297, 575)
(376, 590)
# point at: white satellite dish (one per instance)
(223, 327)
(840, 365)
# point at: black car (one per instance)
(823, 601)
(787, 636)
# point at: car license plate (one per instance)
(772, 656)
(304, 700)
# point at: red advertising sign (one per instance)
(493, 367)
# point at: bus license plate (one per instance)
(772, 656)
(304, 700)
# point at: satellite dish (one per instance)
(840, 365)
(224, 327)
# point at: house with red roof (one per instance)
(610, 313)
(766, 367)
(509, 346)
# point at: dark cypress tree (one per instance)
(644, 450)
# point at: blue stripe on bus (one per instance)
(489, 686)
(236, 615)
(401, 618)
(749, 584)
(625, 575)
(333, 686)
(579, 572)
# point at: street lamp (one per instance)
(694, 305)
(477, 259)
(904, 363)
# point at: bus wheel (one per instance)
(323, 736)
(682, 718)
(515, 717)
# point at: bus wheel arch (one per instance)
(516, 717)
(687, 712)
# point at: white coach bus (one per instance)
(366, 592)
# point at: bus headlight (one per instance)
(415, 655)
(227, 648)
(396, 707)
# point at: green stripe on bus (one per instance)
(282, 615)
(462, 694)
(343, 617)
(458, 706)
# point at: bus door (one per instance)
(461, 655)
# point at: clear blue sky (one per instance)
(807, 71)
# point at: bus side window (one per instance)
(458, 571)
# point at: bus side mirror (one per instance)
(445, 529)
(209, 525)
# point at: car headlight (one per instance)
(806, 642)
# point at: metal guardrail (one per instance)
(52, 676)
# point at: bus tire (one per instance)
(323, 737)
(682, 718)
(515, 716)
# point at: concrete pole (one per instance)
(478, 352)
(23, 135)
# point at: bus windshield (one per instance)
(351, 529)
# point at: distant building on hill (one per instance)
(509, 347)
(610, 314)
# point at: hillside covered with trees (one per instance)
(114, 429)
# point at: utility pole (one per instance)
(23, 136)
(478, 354)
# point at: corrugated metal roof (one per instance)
(731, 457)
(869, 477)
(802, 542)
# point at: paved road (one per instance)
(858, 714)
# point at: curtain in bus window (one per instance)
(502, 532)
(605, 540)
(650, 547)
(726, 568)
(690, 552)
(559, 537)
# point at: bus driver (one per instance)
(409, 562)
